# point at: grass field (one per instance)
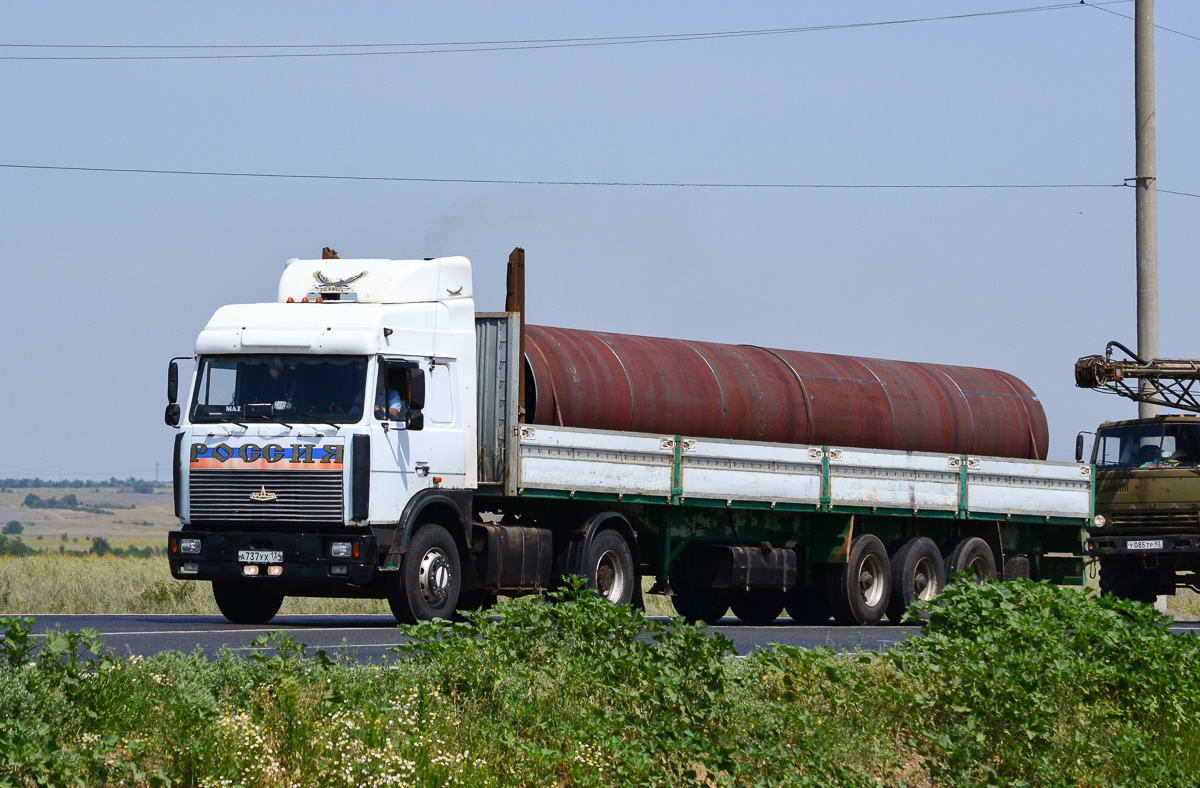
(1014, 684)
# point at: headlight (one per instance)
(340, 549)
(189, 546)
(1099, 521)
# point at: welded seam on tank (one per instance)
(808, 411)
(716, 377)
(1033, 447)
(966, 402)
(628, 380)
(553, 390)
(886, 396)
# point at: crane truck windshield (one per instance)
(281, 389)
(1148, 446)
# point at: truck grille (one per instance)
(1174, 518)
(298, 496)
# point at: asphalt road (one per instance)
(368, 638)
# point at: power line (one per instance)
(1131, 19)
(531, 182)
(447, 47)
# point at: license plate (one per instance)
(260, 556)
(1144, 544)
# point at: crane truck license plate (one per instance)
(260, 556)
(1144, 544)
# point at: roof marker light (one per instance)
(291, 300)
(304, 300)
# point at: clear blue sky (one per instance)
(108, 275)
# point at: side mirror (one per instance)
(172, 415)
(416, 421)
(416, 388)
(173, 383)
(1079, 447)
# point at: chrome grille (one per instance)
(300, 496)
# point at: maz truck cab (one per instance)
(315, 427)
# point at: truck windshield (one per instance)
(1148, 446)
(282, 389)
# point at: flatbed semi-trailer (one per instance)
(294, 478)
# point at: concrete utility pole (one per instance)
(1147, 191)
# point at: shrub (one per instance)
(12, 527)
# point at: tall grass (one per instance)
(51, 583)
(1015, 684)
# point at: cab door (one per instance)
(400, 446)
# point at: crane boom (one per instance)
(1170, 382)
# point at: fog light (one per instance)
(339, 569)
(189, 545)
(190, 568)
(250, 570)
(340, 549)
(1099, 521)
(274, 570)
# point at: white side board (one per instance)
(566, 460)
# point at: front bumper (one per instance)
(1104, 545)
(306, 559)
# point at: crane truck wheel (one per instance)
(807, 604)
(917, 573)
(246, 603)
(427, 585)
(971, 554)
(858, 590)
(608, 567)
(1017, 567)
(757, 607)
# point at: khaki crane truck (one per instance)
(1146, 529)
(369, 434)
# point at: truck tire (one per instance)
(1124, 578)
(246, 603)
(699, 604)
(1017, 567)
(608, 567)
(757, 607)
(917, 573)
(428, 582)
(858, 590)
(971, 554)
(807, 604)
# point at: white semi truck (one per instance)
(367, 435)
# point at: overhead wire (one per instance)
(1098, 7)
(548, 182)
(494, 46)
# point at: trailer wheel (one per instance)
(246, 603)
(807, 604)
(699, 604)
(858, 590)
(608, 567)
(1124, 578)
(971, 554)
(757, 607)
(427, 585)
(917, 573)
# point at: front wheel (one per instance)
(608, 567)
(429, 579)
(246, 603)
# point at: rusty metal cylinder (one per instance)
(608, 381)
